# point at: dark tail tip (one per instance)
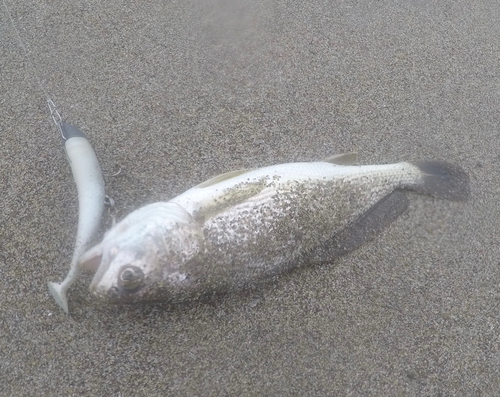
(444, 180)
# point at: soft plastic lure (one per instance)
(91, 197)
(88, 178)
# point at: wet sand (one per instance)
(172, 93)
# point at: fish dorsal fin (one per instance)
(221, 178)
(343, 159)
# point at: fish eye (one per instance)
(130, 278)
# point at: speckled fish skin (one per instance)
(245, 226)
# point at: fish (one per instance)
(244, 227)
(91, 198)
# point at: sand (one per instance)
(172, 93)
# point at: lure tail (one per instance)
(58, 291)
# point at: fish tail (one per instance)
(443, 180)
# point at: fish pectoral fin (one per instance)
(228, 198)
(91, 259)
(221, 178)
(343, 159)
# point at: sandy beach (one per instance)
(171, 93)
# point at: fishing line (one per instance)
(87, 174)
(26, 51)
(54, 113)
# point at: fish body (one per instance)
(90, 186)
(245, 226)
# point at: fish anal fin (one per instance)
(371, 223)
(343, 159)
(363, 229)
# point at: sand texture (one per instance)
(172, 93)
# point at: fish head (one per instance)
(143, 258)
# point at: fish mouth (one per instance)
(112, 294)
(105, 294)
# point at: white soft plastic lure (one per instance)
(90, 186)
(246, 226)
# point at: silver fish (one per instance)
(245, 226)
